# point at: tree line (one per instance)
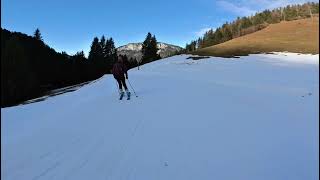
(30, 68)
(102, 55)
(250, 24)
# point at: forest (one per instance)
(30, 68)
(245, 25)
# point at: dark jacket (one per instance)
(119, 69)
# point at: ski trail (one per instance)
(86, 157)
(124, 149)
(192, 121)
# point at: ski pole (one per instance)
(132, 88)
(117, 87)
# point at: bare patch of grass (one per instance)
(299, 36)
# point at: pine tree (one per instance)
(149, 49)
(96, 56)
(154, 48)
(113, 51)
(104, 53)
(146, 47)
(93, 49)
(110, 52)
(80, 54)
(37, 35)
(103, 45)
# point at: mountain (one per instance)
(255, 117)
(300, 36)
(133, 50)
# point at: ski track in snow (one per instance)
(252, 118)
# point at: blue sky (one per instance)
(71, 25)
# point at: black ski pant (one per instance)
(122, 82)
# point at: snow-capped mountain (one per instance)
(133, 50)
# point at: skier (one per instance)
(120, 73)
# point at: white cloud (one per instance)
(202, 31)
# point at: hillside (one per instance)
(30, 68)
(300, 36)
(252, 118)
(133, 50)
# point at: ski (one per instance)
(128, 96)
(121, 96)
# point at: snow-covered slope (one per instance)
(249, 118)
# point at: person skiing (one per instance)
(120, 73)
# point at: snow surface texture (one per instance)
(248, 118)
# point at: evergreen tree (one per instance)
(110, 53)
(104, 55)
(37, 35)
(96, 56)
(154, 48)
(145, 48)
(149, 49)
(103, 44)
(93, 49)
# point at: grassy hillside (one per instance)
(301, 36)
